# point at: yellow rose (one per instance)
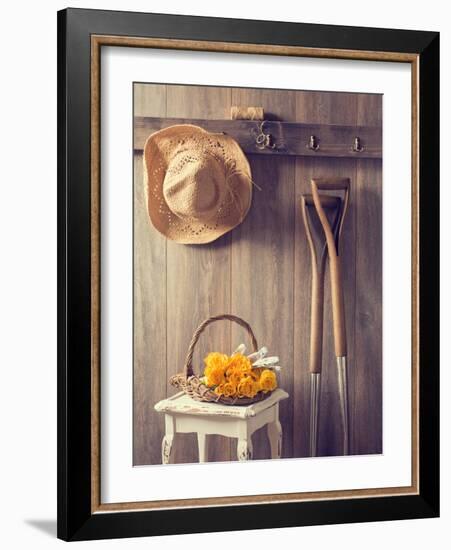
(255, 387)
(229, 389)
(216, 359)
(268, 381)
(234, 378)
(214, 375)
(254, 375)
(239, 362)
(230, 371)
(215, 364)
(247, 387)
(219, 390)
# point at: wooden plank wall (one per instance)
(261, 272)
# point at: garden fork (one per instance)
(331, 229)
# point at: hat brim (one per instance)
(160, 149)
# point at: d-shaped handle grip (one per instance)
(331, 184)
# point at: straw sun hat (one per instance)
(197, 184)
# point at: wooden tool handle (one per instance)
(331, 184)
(332, 240)
(338, 310)
(317, 298)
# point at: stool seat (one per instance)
(185, 415)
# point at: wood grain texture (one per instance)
(149, 100)
(368, 308)
(262, 258)
(290, 138)
(261, 272)
(334, 108)
(198, 277)
(235, 47)
(149, 304)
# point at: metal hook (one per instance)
(269, 142)
(313, 143)
(260, 141)
(262, 126)
(357, 146)
(264, 140)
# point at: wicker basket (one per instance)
(192, 385)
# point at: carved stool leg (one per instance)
(202, 443)
(244, 449)
(166, 448)
(274, 430)
(168, 439)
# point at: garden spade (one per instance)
(332, 235)
(318, 255)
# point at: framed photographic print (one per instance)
(248, 274)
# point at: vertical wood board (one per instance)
(262, 258)
(368, 310)
(149, 303)
(198, 277)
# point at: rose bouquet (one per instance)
(239, 375)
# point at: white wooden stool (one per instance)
(185, 415)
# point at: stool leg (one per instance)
(244, 449)
(274, 430)
(202, 443)
(168, 439)
(166, 448)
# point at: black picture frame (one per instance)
(76, 521)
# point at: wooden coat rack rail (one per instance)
(272, 137)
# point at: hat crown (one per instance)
(194, 185)
(197, 184)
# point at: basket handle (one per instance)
(188, 369)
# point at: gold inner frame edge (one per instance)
(97, 41)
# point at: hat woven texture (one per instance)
(198, 185)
